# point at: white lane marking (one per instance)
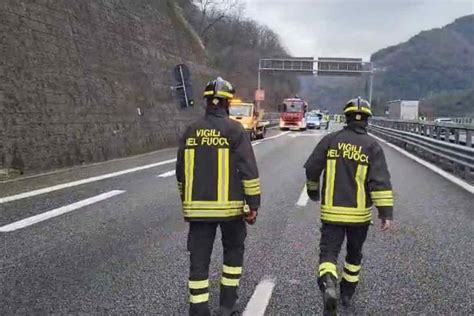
(167, 174)
(276, 136)
(303, 200)
(80, 182)
(58, 211)
(256, 143)
(260, 298)
(441, 172)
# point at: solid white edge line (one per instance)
(167, 174)
(261, 297)
(303, 199)
(466, 186)
(58, 211)
(80, 182)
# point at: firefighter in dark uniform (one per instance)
(219, 186)
(355, 178)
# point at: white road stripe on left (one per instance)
(167, 174)
(58, 211)
(303, 199)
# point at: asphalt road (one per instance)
(126, 254)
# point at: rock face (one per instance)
(74, 73)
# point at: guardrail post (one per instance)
(469, 138)
(456, 136)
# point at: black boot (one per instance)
(347, 291)
(226, 311)
(327, 284)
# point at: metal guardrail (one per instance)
(420, 138)
(461, 134)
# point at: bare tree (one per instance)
(214, 11)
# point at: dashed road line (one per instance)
(80, 182)
(466, 186)
(58, 211)
(167, 174)
(261, 297)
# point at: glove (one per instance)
(251, 217)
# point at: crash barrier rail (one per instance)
(461, 134)
(453, 157)
(463, 120)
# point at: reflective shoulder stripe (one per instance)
(231, 270)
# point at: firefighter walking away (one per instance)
(355, 179)
(219, 185)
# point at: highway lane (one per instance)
(127, 254)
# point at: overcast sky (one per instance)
(351, 28)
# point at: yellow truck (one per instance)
(251, 119)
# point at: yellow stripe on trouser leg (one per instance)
(360, 180)
(327, 267)
(189, 174)
(352, 267)
(197, 285)
(229, 282)
(350, 278)
(330, 174)
(196, 299)
(231, 270)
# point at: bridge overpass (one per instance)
(109, 239)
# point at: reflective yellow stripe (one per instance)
(196, 299)
(353, 210)
(312, 186)
(251, 183)
(254, 191)
(361, 109)
(212, 213)
(352, 267)
(360, 180)
(339, 218)
(214, 203)
(383, 202)
(381, 194)
(350, 278)
(225, 94)
(327, 267)
(189, 174)
(330, 178)
(223, 174)
(231, 270)
(208, 92)
(197, 285)
(229, 282)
